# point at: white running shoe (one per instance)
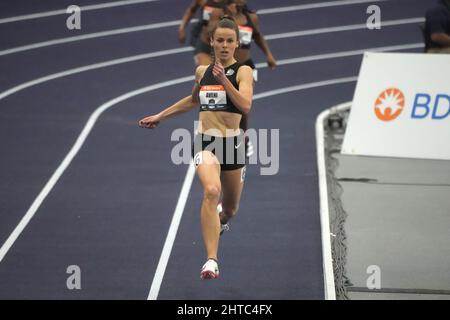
(224, 226)
(210, 270)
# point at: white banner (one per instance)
(401, 107)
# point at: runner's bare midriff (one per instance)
(219, 123)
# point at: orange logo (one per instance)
(389, 104)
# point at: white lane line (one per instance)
(94, 66)
(63, 11)
(343, 54)
(171, 235)
(65, 73)
(315, 6)
(340, 29)
(159, 25)
(127, 2)
(327, 257)
(303, 87)
(89, 36)
(328, 271)
(73, 152)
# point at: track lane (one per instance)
(238, 254)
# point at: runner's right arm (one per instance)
(181, 106)
(188, 14)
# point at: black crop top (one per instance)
(212, 94)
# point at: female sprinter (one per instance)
(206, 8)
(199, 34)
(224, 91)
(248, 23)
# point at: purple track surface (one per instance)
(110, 211)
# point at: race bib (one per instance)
(213, 97)
(207, 11)
(245, 35)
